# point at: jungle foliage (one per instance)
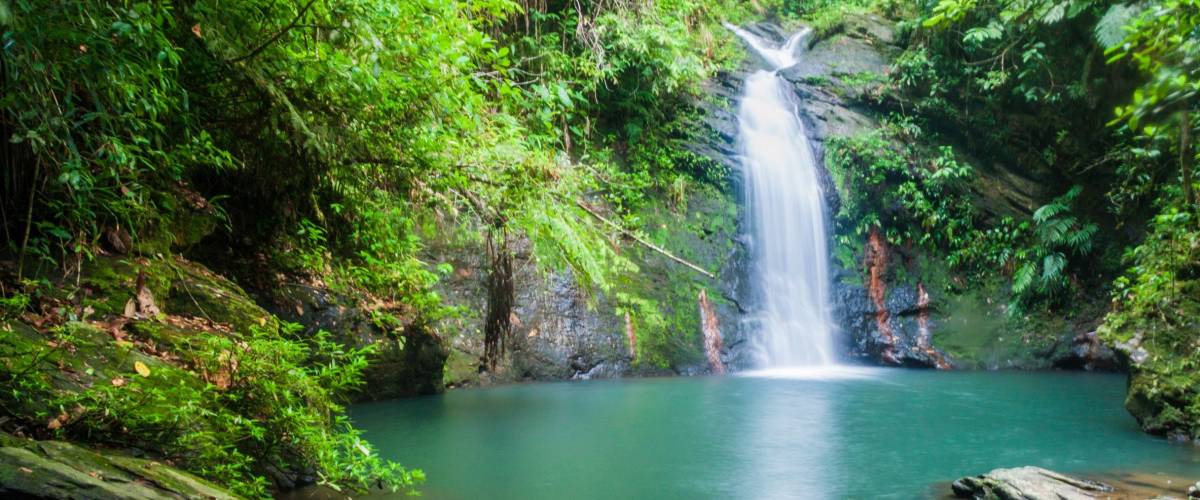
(1094, 102)
(327, 138)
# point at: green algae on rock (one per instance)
(57, 469)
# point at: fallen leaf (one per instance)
(141, 368)
(118, 382)
(130, 309)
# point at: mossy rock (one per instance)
(462, 369)
(179, 286)
(80, 357)
(978, 333)
(1165, 399)
(197, 291)
(1159, 337)
(701, 230)
(57, 469)
(109, 282)
(186, 218)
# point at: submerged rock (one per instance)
(56, 469)
(1028, 483)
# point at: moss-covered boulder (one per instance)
(163, 356)
(176, 285)
(57, 469)
(1155, 325)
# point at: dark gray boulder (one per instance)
(1085, 351)
(408, 357)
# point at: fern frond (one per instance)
(1110, 30)
(1024, 278)
(1055, 13)
(1053, 232)
(1052, 270)
(1080, 240)
(1049, 211)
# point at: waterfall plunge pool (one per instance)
(862, 433)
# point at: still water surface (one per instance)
(846, 433)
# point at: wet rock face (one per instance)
(857, 317)
(561, 331)
(556, 335)
(1028, 483)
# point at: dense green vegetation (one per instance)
(322, 141)
(1090, 101)
(326, 142)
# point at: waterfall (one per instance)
(785, 216)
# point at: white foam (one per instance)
(827, 372)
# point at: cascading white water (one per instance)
(786, 215)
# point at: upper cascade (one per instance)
(779, 56)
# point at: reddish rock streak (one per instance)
(876, 262)
(924, 336)
(712, 335)
(631, 337)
